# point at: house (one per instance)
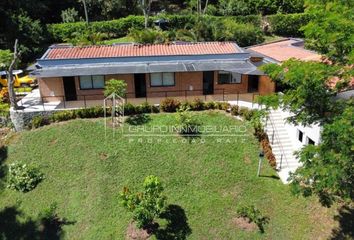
(72, 73)
(285, 137)
(284, 49)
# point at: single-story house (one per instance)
(284, 49)
(72, 73)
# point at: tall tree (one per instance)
(145, 6)
(10, 77)
(327, 169)
(331, 31)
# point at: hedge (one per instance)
(280, 24)
(288, 25)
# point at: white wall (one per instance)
(312, 132)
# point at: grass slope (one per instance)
(85, 172)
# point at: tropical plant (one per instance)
(148, 35)
(147, 205)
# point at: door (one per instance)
(253, 81)
(140, 85)
(208, 82)
(69, 88)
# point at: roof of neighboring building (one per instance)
(285, 49)
(139, 50)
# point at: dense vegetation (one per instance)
(85, 172)
(310, 89)
(28, 20)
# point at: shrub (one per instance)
(4, 95)
(143, 108)
(62, 116)
(210, 105)
(23, 178)
(253, 215)
(145, 205)
(39, 121)
(197, 105)
(149, 36)
(243, 29)
(187, 123)
(252, 19)
(129, 109)
(234, 110)
(223, 106)
(114, 29)
(267, 149)
(118, 87)
(93, 112)
(170, 105)
(245, 34)
(155, 108)
(288, 25)
(185, 104)
(246, 113)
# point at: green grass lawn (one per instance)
(84, 172)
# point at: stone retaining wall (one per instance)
(22, 119)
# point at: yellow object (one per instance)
(21, 80)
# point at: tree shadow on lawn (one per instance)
(177, 224)
(49, 227)
(139, 119)
(345, 230)
(3, 156)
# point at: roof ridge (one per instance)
(175, 43)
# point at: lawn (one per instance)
(85, 170)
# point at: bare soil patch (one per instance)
(244, 224)
(134, 233)
(103, 156)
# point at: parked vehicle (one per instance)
(21, 79)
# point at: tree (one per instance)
(307, 94)
(328, 168)
(5, 58)
(331, 30)
(145, 5)
(70, 15)
(118, 87)
(10, 77)
(145, 205)
(29, 33)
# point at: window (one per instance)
(300, 135)
(92, 82)
(310, 141)
(162, 79)
(228, 77)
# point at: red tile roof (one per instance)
(284, 50)
(134, 50)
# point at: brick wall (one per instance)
(51, 87)
(266, 85)
(232, 87)
(96, 94)
(184, 82)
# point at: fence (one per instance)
(91, 100)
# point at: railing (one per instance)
(84, 101)
(274, 133)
